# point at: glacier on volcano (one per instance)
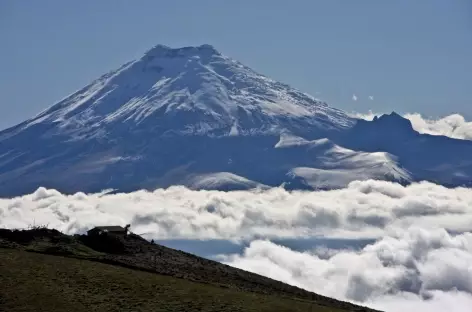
(192, 116)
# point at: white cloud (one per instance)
(366, 116)
(354, 97)
(413, 265)
(371, 97)
(364, 209)
(441, 301)
(417, 270)
(454, 126)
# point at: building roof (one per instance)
(113, 228)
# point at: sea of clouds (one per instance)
(454, 126)
(388, 246)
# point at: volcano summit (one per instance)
(192, 116)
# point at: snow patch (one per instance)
(223, 180)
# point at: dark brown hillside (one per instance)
(133, 252)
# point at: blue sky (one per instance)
(412, 56)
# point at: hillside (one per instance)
(45, 270)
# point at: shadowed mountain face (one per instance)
(195, 117)
(439, 159)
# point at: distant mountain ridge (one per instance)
(192, 116)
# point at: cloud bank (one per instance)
(454, 126)
(367, 209)
(419, 257)
(412, 269)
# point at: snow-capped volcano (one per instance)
(194, 117)
(191, 90)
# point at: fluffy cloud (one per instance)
(404, 248)
(454, 126)
(367, 209)
(424, 269)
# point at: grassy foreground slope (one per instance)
(45, 270)
(38, 282)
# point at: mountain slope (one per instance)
(195, 117)
(337, 166)
(192, 90)
(136, 275)
(439, 159)
(81, 289)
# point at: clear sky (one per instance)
(412, 56)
